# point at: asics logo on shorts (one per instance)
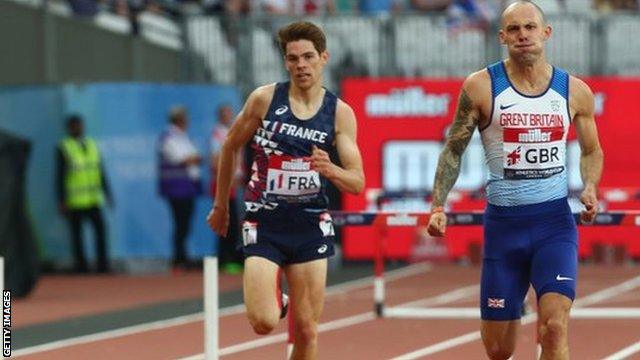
(323, 249)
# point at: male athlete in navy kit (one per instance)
(294, 125)
(523, 107)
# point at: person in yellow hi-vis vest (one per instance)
(82, 188)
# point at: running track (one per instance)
(349, 329)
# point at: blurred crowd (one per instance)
(480, 10)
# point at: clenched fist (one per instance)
(321, 163)
(218, 220)
(590, 201)
(437, 224)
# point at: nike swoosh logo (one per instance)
(563, 278)
(504, 107)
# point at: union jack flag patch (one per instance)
(495, 303)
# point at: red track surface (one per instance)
(370, 338)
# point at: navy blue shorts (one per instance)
(294, 238)
(533, 244)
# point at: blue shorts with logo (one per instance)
(533, 244)
(288, 237)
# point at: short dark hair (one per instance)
(302, 30)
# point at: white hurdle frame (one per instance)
(379, 292)
(211, 328)
(474, 313)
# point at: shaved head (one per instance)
(516, 4)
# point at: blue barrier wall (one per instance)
(126, 120)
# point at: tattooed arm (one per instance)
(464, 124)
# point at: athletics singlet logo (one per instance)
(281, 110)
(505, 107)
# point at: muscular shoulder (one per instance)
(477, 82)
(580, 96)
(259, 100)
(345, 117)
(579, 90)
(477, 88)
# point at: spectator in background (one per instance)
(180, 181)
(84, 8)
(274, 7)
(230, 12)
(230, 259)
(606, 6)
(131, 9)
(430, 5)
(464, 14)
(314, 7)
(378, 7)
(297, 7)
(81, 188)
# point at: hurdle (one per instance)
(382, 220)
(211, 328)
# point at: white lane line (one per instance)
(227, 311)
(450, 296)
(625, 353)
(155, 325)
(282, 337)
(607, 293)
(591, 299)
(441, 346)
(447, 298)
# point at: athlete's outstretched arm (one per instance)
(591, 155)
(349, 177)
(464, 124)
(246, 124)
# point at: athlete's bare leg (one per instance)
(553, 324)
(499, 338)
(307, 283)
(260, 294)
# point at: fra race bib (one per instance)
(291, 179)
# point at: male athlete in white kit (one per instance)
(523, 108)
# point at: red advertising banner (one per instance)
(401, 127)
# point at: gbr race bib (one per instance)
(533, 152)
(291, 179)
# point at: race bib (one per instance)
(533, 153)
(291, 179)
